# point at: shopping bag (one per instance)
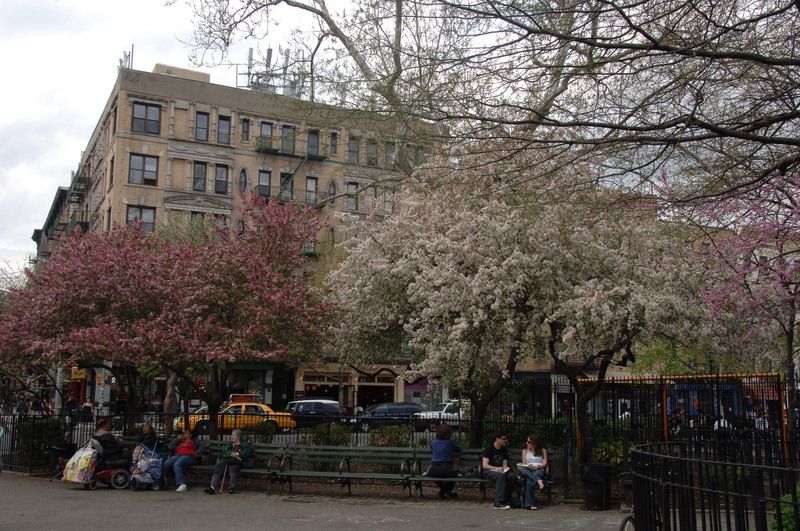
(80, 467)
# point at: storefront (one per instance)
(353, 388)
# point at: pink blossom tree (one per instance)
(136, 299)
(472, 275)
(754, 256)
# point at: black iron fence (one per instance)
(680, 486)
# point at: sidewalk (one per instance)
(34, 504)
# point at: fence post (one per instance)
(567, 458)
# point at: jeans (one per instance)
(443, 470)
(178, 464)
(219, 471)
(532, 478)
(503, 484)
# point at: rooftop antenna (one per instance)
(127, 59)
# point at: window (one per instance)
(243, 181)
(287, 187)
(352, 197)
(353, 154)
(372, 153)
(334, 143)
(111, 173)
(313, 142)
(201, 127)
(143, 170)
(391, 155)
(311, 190)
(287, 139)
(332, 192)
(310, 248)
(224, 130)
(763, 267)
(147, 118)
(199, 184)
(387, 201)
(266, 130)
(145, 215)
(197, 218)
(221, 179)
(246, 130)
(264, 178)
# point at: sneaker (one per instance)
(156, 486)
(182, 488)
(501, 505)
(233, 491)
(210, 490)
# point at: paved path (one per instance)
(34, 504)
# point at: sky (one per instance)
(60, 61)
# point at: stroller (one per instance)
(145, 467)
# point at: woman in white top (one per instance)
(531, 467)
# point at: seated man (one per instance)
(494, 465)
(233, 455)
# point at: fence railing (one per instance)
(681, 486)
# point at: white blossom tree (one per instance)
(471, 276)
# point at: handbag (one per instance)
(80, 467)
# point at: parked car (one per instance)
(239, 415)
(386, 414)
(313, 411)
(453, 412)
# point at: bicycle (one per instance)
(629, 522)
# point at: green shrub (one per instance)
(261, 433)
(390, 436)
(34, 436)
(331, 434)
(787, 513)
(611, 452)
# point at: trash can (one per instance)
(597, 485)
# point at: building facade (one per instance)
(173, 148)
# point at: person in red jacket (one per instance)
(186, 452)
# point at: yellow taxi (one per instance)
(241, 412)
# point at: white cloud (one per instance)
(60, 59)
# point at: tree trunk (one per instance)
(791, 393)
(477, 419)
(170, 402)
(216, 392)
(584, 436)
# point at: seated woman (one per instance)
(444, 451)
(233, 455)
(186, 452)
(109, 449)
(148, 437)
(532, 468)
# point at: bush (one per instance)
(33, 438)
(390, 436)
(261, 433)
(611, 452)
(331, 434)
(786, 511)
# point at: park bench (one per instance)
(266, 459)
(345, 464)
(470, 467)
